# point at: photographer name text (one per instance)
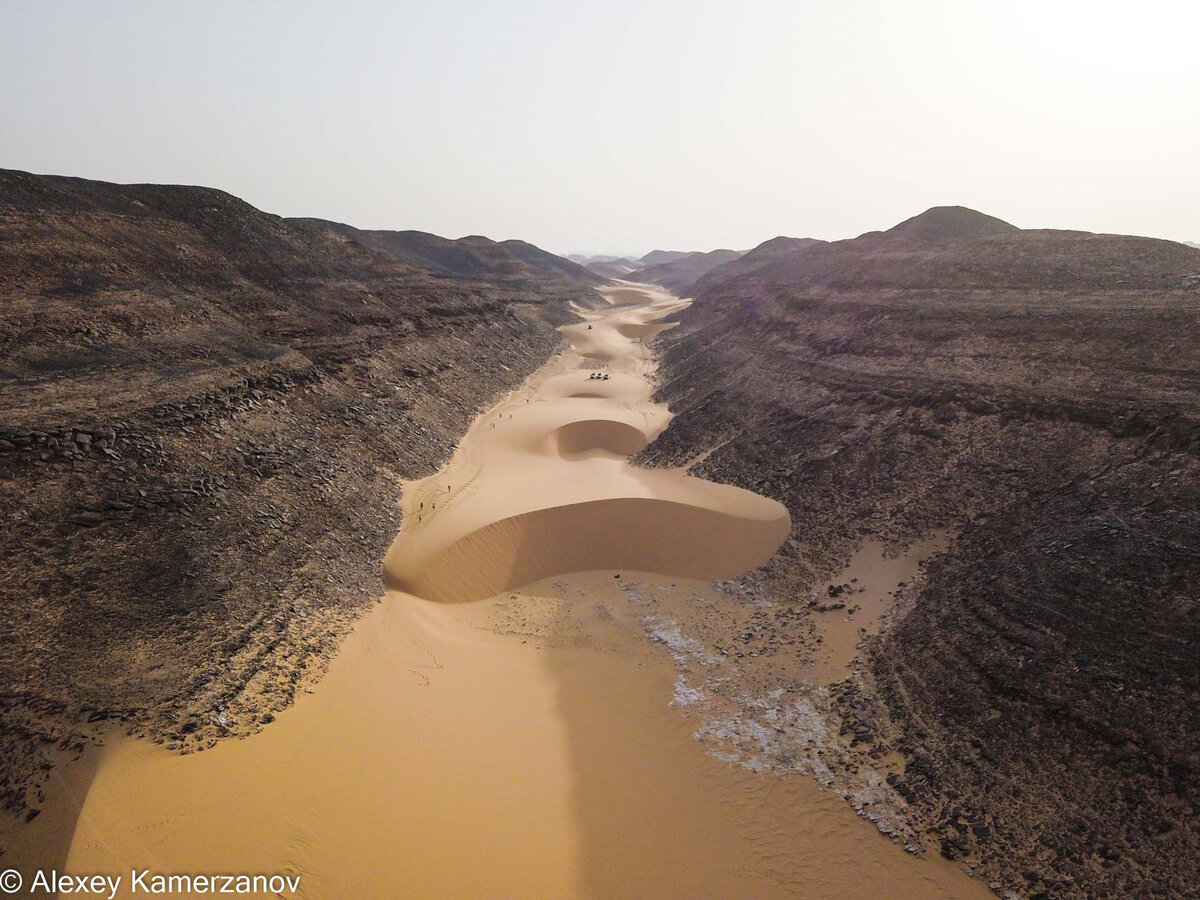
(144, 881)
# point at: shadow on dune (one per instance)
(599, 434)
(45, 843)
(637, 533)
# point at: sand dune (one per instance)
(624, 387)
(600, 434)
(539, 486)
(630, 534)
(631, 295)
(442, 757)
(641, 329)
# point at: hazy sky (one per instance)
(623, 126)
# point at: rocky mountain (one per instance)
(1034, 395)
(625, 267)
(766, 254)
(974, 254)
(206, 411)
(514, 263)
(679, 274)
(548, 264)
(614, 268)
(946, 223)
(654, 257)
(658, 257)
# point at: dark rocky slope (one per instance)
(657, 257)
(680, 274)
(673, 268)
(510, 263)
(206, 411)
(613, 268)
(1038, 393)
(765, 255)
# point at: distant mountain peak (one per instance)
(658, 257)
(947, 223)
(783, 243)
(679, 274)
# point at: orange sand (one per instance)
(516, 746)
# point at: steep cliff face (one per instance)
(206, 413)
(1036, 393)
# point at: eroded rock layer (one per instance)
(1038, 394)
(206, 411)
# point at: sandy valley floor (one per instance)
(498, 728)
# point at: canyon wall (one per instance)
(206, 413)
(1037, 394)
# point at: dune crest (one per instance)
(541, 484)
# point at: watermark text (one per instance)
(144, 881)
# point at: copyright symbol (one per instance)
(10, 881)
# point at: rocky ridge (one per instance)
(1030, 711)
(678, 274)
(207, 410)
